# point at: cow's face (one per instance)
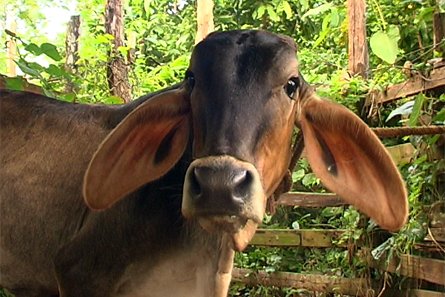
(243, 90)
(238, 104)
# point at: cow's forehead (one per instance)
(247, 37)
(244, 55)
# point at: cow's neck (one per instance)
(196, 267)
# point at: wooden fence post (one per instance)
(12, 51)
(204, 16)
(439, 32)
(357, 44)
(117, 70)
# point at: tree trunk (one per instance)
(357, 48)
(72, 50)
(205, 19)
(117, 69)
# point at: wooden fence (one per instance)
(418, 270)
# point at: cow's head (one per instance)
(240, 99)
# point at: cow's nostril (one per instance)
(242, 182)
(239, 177)
(195, 182)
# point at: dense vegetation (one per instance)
(163, 32)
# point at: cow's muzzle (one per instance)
(224, 194)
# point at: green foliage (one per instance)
(389, 41)
(160, 61)
(421, 177)
(51, 77)
(160, 35)
(4, 293)
(304, 179)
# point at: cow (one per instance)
(152, 198)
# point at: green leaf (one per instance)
(317, 10)
(104, 38)
(55, 71)
(287, 9)
(260, 11)
(394, 32)
(298, 175)
(384, 47)
(335, 18)
(417, 110)
(328, 212)
(310, 180)
(123, 50)
(440, 117)
(49, 93)
(14, 83)
(326, 22)
(304, 4)
(51, 51)
(27, 69)
(321, 37)
(33, 49)
(272, 14)
(113, 100)
(70, 97)
(180, 62)
(147, 6)
(433, 139)
(426, 14)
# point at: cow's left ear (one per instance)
(142, 148)
(351, 161)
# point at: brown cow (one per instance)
(181, 177)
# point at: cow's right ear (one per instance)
(142, 148)
(351, 161)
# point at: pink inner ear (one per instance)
(351, 161)
(142, 148)
(145, 142)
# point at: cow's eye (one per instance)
(190, 78)
(291, 86)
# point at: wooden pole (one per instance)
(310, 282)
(439, 32)
(117, 70)
(11, 69)
(357, 45)
(72, 49)
(204, 16)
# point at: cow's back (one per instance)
(45, 147)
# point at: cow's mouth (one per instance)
(239, 228)
(226, 196)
